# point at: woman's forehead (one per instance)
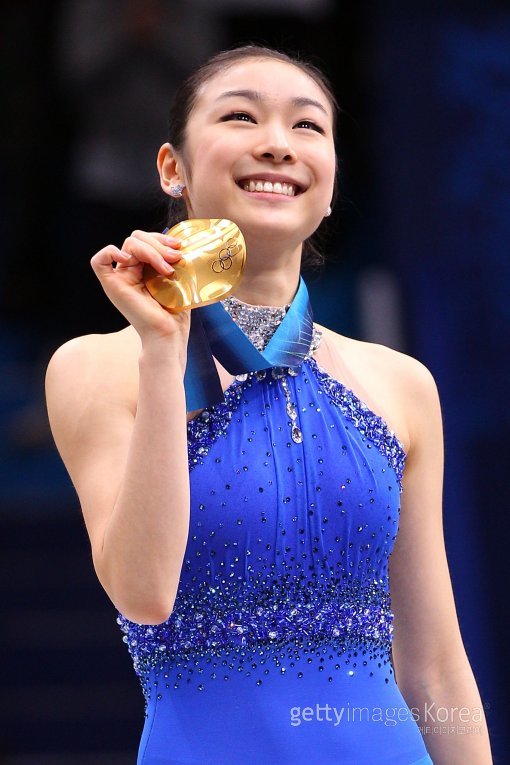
(270, 79)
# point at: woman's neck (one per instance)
(269, 281)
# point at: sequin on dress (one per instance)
(278, 650)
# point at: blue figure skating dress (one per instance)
(278, 648)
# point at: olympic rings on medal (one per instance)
(225, 256)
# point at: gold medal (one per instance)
(213, 257)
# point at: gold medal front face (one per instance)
(213, 258)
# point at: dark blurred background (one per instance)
(418, 260)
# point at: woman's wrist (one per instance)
(164, 353)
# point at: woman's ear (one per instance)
(169, 169)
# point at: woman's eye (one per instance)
(310, 126)
(237, 116)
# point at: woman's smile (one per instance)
(274, 184)
(258, 186)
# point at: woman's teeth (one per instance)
(273, 188)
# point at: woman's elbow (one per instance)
(149, 612)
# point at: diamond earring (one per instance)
(176, 190)
(328, 212)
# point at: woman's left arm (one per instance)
(431, 666)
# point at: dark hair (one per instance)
(185, 99)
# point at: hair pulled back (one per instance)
(186, 97)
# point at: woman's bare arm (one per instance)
(118, 415)
(130, 470)
(432, 669)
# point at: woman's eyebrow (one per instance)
(254, 95)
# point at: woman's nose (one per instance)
(276, 148)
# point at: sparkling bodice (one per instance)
(287, 555)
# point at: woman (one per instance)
(246, 544)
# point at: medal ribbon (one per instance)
(213, 332)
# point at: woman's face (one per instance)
(260, 151)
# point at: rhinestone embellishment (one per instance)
(258, 322)
(241, 617)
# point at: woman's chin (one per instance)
(271, 229)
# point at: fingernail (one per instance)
(168, 268)
(173, 241)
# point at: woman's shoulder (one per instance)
(95, 350)
(96, 362)
(401, 367)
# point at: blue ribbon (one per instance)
(213, 332)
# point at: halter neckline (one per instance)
(258, 322)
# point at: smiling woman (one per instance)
(246, 544)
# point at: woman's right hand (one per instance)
(120, 272)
